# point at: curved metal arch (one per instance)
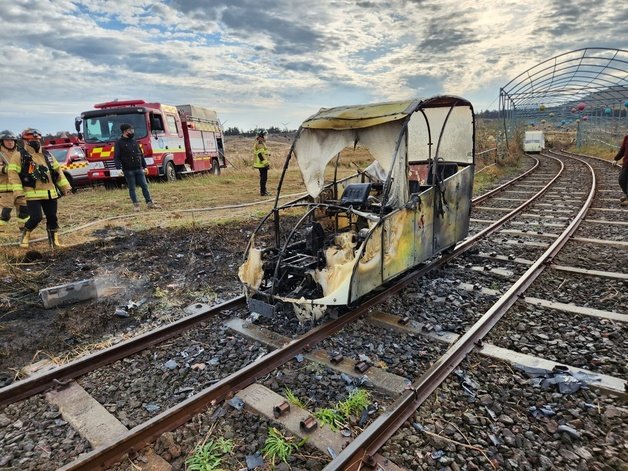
(580, 84)
(595, 76)
(555, 97)
(577, 55)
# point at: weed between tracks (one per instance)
(294, 400)
(208, 456)
(279, 446)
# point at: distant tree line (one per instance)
(488, 114)
(235, 131)
(231, 131)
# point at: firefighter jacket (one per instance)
(6, 156)
(260, 149)
(25, 174)
(128, 155)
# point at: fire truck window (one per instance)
(59, 154)
(157, 122)
(172, 124)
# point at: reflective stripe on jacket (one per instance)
(260, 149)
(41, 190)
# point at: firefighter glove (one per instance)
(41, 173)
(20, 200)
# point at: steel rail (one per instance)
(488, 194)
(170, 419)
(564, 153)
(58, 376)
(28, 387)
(362, 450)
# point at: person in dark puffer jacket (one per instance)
(129, 157)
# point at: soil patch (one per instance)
(161, 271)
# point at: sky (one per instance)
(265, 63)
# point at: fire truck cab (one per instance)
(176, 140)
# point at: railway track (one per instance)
(363, 449)
(40, 382)
(516, 207)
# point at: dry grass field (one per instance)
(181, 203)
(200, 199)
(190, 200)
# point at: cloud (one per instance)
(278, 60)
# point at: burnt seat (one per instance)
(355, 194)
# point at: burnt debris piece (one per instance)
(69, 293)
(566, 382)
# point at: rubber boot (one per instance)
(25, 238)
(22, 216)
(53, 239)
(21, 222)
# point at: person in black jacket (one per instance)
(623, 176)
(129, 157)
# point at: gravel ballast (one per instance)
(491, 416)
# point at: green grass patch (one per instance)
(357, 402)
(354, 405)
(293, 399)
(333, 418)
(596, 150)
(208, 456)
(279, 447)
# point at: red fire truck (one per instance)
(176, 140)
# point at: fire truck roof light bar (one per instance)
(112, 104)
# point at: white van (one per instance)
(533, 141)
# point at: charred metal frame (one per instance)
(383, 211)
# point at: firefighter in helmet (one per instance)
(260, 162)
(8, 148)
(36, 174)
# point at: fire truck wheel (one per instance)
(170, 173)
(215, 167)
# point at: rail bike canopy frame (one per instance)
(583, 91)
(355, 233)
